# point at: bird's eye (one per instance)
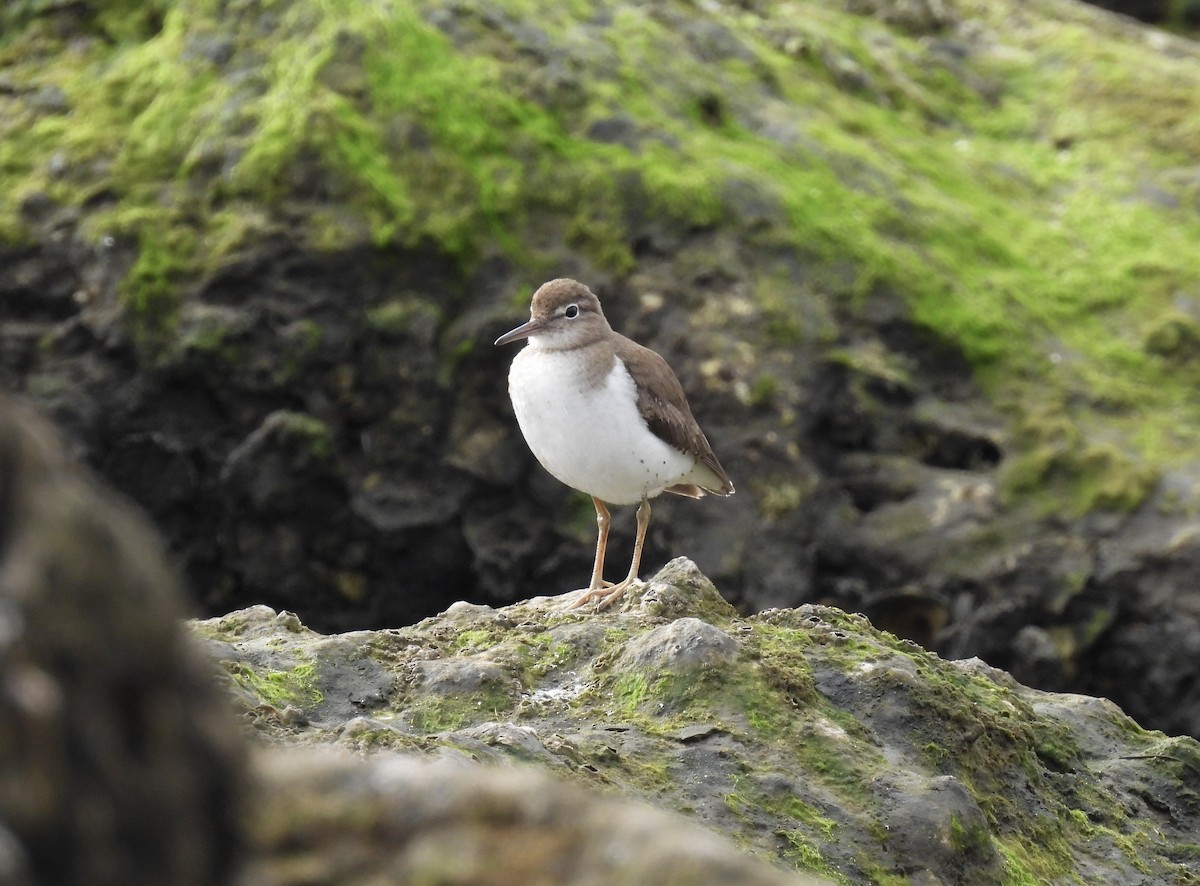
(571, 312)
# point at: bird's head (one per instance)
(565, 314)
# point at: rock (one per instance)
(816, 741)
(390, 507)
(1158, 11)
(506, 742)
(914, 16)
(264, 467)
(119, 760)
(458, 677)
(681, 645)
(937, 821)
(330, 818)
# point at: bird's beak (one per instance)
(523, 331)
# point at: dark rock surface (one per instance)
(1185, 14)
(813, 739)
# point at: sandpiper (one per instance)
(606, 416)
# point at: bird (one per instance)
(606, 416)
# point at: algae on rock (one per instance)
(809, 736)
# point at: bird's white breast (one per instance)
(590, 437)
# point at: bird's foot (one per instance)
(569, 600)
(604, 596)
(572, 599)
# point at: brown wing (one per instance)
(668, 415)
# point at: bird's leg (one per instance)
(598, 584)
(603, 521)
(606, 597)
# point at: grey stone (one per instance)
(682, 645)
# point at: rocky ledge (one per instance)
(817, 742)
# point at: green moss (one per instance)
(209, 336)
(872, 362)
(151, 289)
(1055, 747)
(1059, 468)
(1079, 478)
(1016, 870)
(281, 688)
(529, 655)
(630, 691)
(308, 434)
(382, 739)
(398, 316)
(474, 639)
(117, 19)
(1034, 864)
(762, 391)
(1185, 853)
(1174, 336)
(978, 732)
(780, 496)
(443, 713)
(799, 776)
(306, 334)
(804, 852)
(935, 754)
(877, 875)
(541, 654)
(809, 828)
(301, 342)
(968, 838)
(999, 200)
(782, 663)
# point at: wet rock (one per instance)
(392, 506)
(680, 588)
(14, 863)
(508, 742)
(141, 459)
(332, 680)
(618, 129)
(937, 826)
(1157, 11)
(265, 467)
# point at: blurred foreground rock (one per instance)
(328, 818)
(119, 760)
